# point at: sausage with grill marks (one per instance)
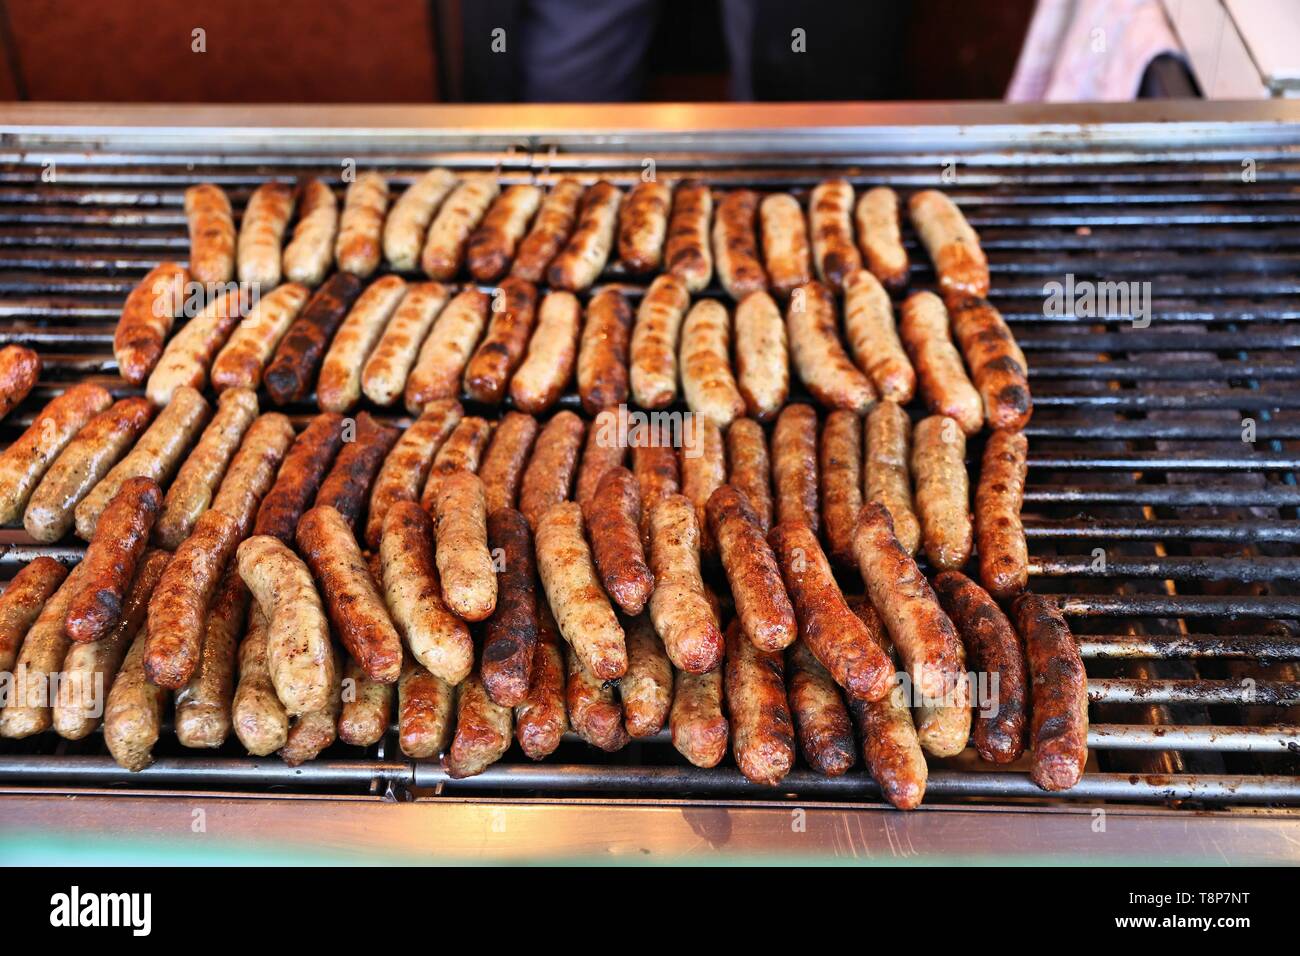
(28, 708)
(954, 247)
(603, 449)
(147, 319)
(510, 634)
(831, 631)
(881, 239)
(266, 217)
(256, 714)
(410, 217)
(762, 604)
(203, 706)
(444, 246)
(240, 362)
(542, 719)
(402, 475)
(942, 491)
(997, 364)
(24, 463)
(594, 711)
(643, 226)
(310, 252)
(944, 386)
(653, 373)
(483, 730)
(541, 378)
(794, 465)
(187, 357)
(647, 687)
(840, 465)
(387, 369)
(785, 243)
(498, 356)
(549, 476)
(251, 480)
(703, 471)
(292, 371)
(748, 469)
(299, 477)
(550, 231)
(469, 583)
(462, 451)
(687, 255)
(492, 245)
(735, 244)
(818, 356)
(825, 732)
(438, 369)
(613, 522)
(1003, 553)
(699, 729)
(658, 472)
(583, 258)
(506, 457)
(425, 706)
(762, 356)
(339, 386)
(679, 605)
(436, 638)
(357, 248)
(111, 559)
(762, 733)
(22, 601)
(80, 466)
(367, 711)
(603, 351)
(347, 485)
(212, 234)
(707, 382)
(133, 713)
(869, 324)
(1059, 694)
(887, 477)
(830, 208)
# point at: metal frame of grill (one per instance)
(1136, 443)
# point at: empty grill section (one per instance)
(1170, 540)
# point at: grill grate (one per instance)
(1170, 540)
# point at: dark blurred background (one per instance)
(421, 51)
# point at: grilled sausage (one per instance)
(438, 639)
(203, 706)
(830, 208)
(310, 252)
(444, 246)
(259, 719)
(643, 226)
(888, 475)
(240, 362)
(735, 244)
(613, 521)
(403, 472)
(347, 486)
(185, 360)
(425, 705)
(146, 321)
(687, 256)
(492, 245)
(292, 371)
(831, 631)
(367, 707)
(469, 583)
(942, 491)
(552, 351)
(583, 257)
(762, 605)
(785, 243)
(825, 732)
(869, 324)
(460, 452)
(943, 723)
(298, 651)
(818, 356)
(953, 245)
(483, 730)
(997, 365)
(703, 470)
(762, 733)
(24, 463)
(133, 713)
(339, 386)
(794, 465)
(550, 231)
(944, 386)
(1059, 691)
(180, 603)
(679, 606)
(657, 470)
(840, 465)
(542, 719)
(357, 248)
(647, 687)
(889, 746)
(748, 469)
(603, 351)
(498, 356)
(154, 456)
(80, 466)
(762, 356)
(115, 550)
(212, 234)
(605, 448)
(251, 480)
(89, 669)
(594, 711)
(385, 374)
(925, 638)
(881, 239)
(1003, 553)
(410, 217)
(356, 610)
(446, 351)
(581, 608)
(510, 635)
(707, 382)
(28, 706)
(993, 649)
(549, 475)
(300, 475)
(266, 217)
(654, 342)
(503, 464)
(699, 730)
(311, 733)
(22, 601)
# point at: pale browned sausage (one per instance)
(699, 729)
(187, 357)
(357, 248)
(425, 705)
(594, 712)
(762, 356)
(410, 217)
(687, 255)
(873, 338)
(604, 448)
(785, 243)
(367, 707)
(310, 252)
(469, 583)
(133, 714)
(292, 371)
(146, 321)
(266, 217)
(880, 238)
(203, 706)
(679, 606)
(256, 714)
(403, 473)
(462, 451)
(212, 233)
(583, 258)
(444, 246)
(339, 385)
(944, 386)
(707, 383)
(437, 372)
(647, 687)
(953, 245)
(735, 244)
(654, 342)
(483, 730)
(830, 210)
(888, 476)
(643, 226)
(251, 479)
(545, 371)
(823, 365)
(387, 369)
(492, 245)
(942, 491)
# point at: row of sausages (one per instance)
(567, 235)
(422, 342)
(630, 541)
